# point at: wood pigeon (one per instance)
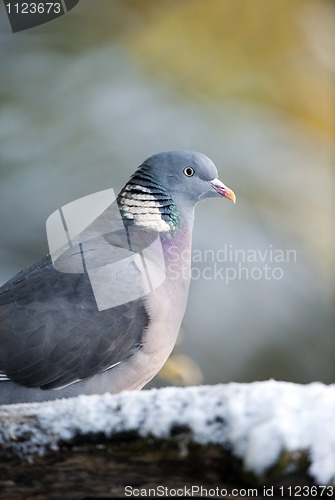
(102, 312)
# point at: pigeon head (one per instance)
(166, 187)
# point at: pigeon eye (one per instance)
(188, 171)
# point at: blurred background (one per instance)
(86, 98)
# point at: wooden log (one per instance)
(168, 442)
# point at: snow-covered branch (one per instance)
(266, 432)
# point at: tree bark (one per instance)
(81, 460)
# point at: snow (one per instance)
(255, 421)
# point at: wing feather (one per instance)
(53, 334)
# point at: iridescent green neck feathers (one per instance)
(143, 202)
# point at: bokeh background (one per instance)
(86, 98)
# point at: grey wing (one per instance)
(53, 334)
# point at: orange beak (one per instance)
(223, 190)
